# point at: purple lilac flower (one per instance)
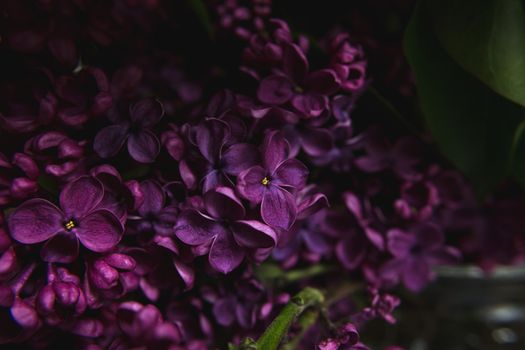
(142, 144)
(18, 178)
(306, 91)
(19, 320)
(223, 227)
(82, 96)
(59, 154)
(79, 218)
(346, 338)
(348, 62)
(222, 160)
(415, 253)
(274, 183)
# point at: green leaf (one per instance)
(473, 126)
(277, 330)
(487, 38)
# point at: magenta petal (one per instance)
(154, 198)
(322, 82)
(210, 137)
(311, 205)
(416, 274)
(61, 248)
(316, 142)
(109, 140)
(295, 63)
(275, 149)
(35, 221)
(225, 254)
(222, 203)
(278, 208)
(275, 90)
(99, 231)
(24, 314)
(253, 234)
(80, 196)
(192, 228)
(249, 184)
(400, 243)
(310, 104)
(144, 146)
(239, 157)
(291, 173)
(146, 112)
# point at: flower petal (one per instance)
(278, 207)
(316, 142)
(154, 198)
(291, 173)
(225, 254)
(323, 82)
(239, 157)
(146, 112)
(192, 228)
(99, 231)
(109, 140)
(416, 274)
(222, 203)
(61, 248)
(295, 63)
(275, 90)
(400, 243)
(311, 105)
(275, 150)
(253, 234)
(80, 196)
(143, 146)
(35, 221)
(249, 184)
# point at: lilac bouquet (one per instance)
(201, 175)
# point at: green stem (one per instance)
(275, 333)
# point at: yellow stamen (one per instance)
(265, 181)
(69, 225)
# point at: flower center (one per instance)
(70, 224)
(265, 181)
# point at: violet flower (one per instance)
(222, 161)
(223, 227)
(78, 219)
(415, 254)
(306, 91)
(82, 96)
(274, 183)
(142, 144)
(18, 178)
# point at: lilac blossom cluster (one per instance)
(138, 199)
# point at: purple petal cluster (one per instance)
(153, 197)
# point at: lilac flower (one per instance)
(346, 338)
(348, 62)
(78, 219)
(403, 157)
(223, 227)
(306, 91)
(82, 96)
(18, 318)
(340, 157)
(222, 160)
(273, 183)
(307, 231)
(18, 178)
(62, 299)
(142, 144)
(418, 199)
(415, 253)
(143, 325)
(107, 274)
(154, 215)
(61, 156)
(356, 232)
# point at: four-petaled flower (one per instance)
(274, 183)
(79, 218)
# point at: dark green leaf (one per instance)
(487, 38)
(473, 126)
